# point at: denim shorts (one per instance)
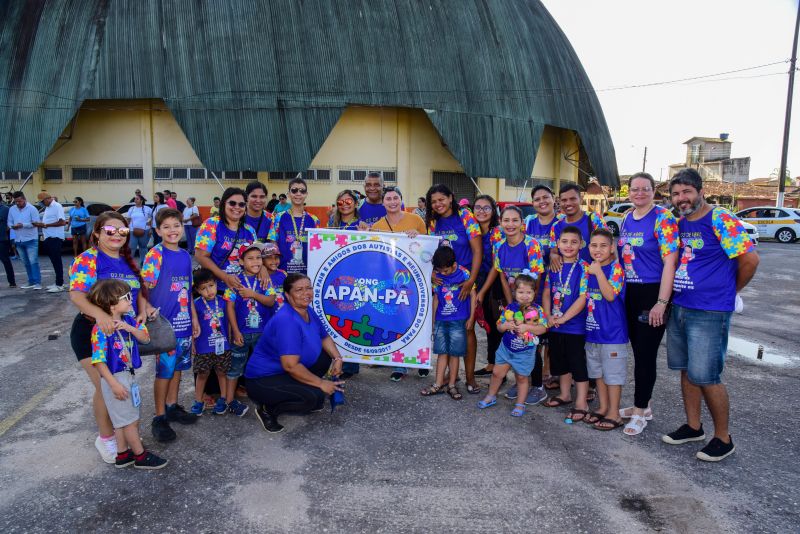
(697, 341)
(179, 359)
(521, 362)
(450, 337)
(239, 355)
(608, 361)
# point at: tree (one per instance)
(623, 191)
(787, 179)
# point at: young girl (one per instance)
(521, 322)
(116, 357)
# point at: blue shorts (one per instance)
(450, 337)
(179, 359)
(697, 341)
(240, 355)
(521, 362)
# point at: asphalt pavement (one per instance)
(392, 461)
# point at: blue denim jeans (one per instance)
(239, 355)
(140, 244)
(191, 235)
(697, 341)
(29, 252)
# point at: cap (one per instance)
(249, 246)
(270, 249)
(463, 202)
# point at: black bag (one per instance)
(162, 337)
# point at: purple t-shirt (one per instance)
(523, 258)
(170, 272)
(287, 333)
(261, 225)
(605, 321)
(566, 286)
(370, 213)
(527, 341)
(456, 231)
(541, 233)
(277, 284)
(251, 315)
(588, 223)
(221, 242)
(111, 350)
(290, 234)
(450, 307)
(644, 243)
(213, 324)
(706, 274)
(93, 265)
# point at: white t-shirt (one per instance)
(53, 213)
(188, 212)
(156, 210)
(139, 217)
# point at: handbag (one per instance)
(162, 337)
(196, 220)
(138, 232)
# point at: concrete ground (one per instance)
(391, 461)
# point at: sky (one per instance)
(630, 42)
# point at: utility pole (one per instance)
(788, 120)
(644, 159)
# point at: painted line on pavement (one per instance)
(7, 423)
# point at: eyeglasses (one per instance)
(111, 230)
(300, 190)
(344, 202)
(234, 204)
(127, 296)
(486, 209)
(641, 190)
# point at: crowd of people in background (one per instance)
(561, 300)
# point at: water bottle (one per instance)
(644, 317)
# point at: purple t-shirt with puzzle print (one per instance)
(450, 307)
(566, 286)
(457, 230)
(213, 324)
(644, 243)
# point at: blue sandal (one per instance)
(518, 411)
(484, 404)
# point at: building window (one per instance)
(310, 175)
(52, 175)
(359, 175)
(14, 175)
(102, 174)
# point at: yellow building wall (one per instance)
(144, 134)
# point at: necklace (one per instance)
(566, 290)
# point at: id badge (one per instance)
(253, 320)
(297, 252)
(219, 346)
(136, 397)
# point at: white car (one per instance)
(613, 216)
(782, 224)
(752, 231)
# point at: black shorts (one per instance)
(78, 230)
(568, 355)
(80, 337)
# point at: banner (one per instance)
(373, 293)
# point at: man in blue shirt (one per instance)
(21, 219)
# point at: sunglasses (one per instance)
(345, 202)
(127, 296)
(234, 204)
(296, 190)
(111, 230)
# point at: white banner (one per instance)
(373, 292)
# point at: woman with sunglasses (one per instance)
(458, 228)
(219, 238)
(109, 256)
(289, 229)
(345, 215)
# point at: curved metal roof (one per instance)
(259, 84)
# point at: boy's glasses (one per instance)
(344, 202)
(234, 204)
(296, 190)
(127, 297)
(111, 230)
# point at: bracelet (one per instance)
(663, 301)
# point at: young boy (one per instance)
(167, 272)
(606, 330)
(564, 303)
(247, 315)
(271, 256)
(452, 318)
(212, 349)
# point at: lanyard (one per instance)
(386, 218)
(569, 275)
(297, 235)
(247, 284)
(215, 313)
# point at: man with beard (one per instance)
(720, 262)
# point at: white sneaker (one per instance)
(27, 286)
(51, 286)
(107, 449)
(55, 289)
(37, 286)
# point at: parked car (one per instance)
(525, 207)
(613, 216)
(751, 230)
(94, 209)
(782, 224)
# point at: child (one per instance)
(606, 330)
(452, 319)
(521, 322)
(271, 256)
(247, 315)
(564, 301)
(211, 347)
(116, 357)
(167, 272)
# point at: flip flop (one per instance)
(592, 418)
(576, 411)
(606, 420)
(555, 402)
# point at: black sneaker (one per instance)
(178, 414)
(716, 450)
(150, 461)
(423, 373)
(396, 376)
(684, 434)
(124, 459)
(269, 423)
(161, 430)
